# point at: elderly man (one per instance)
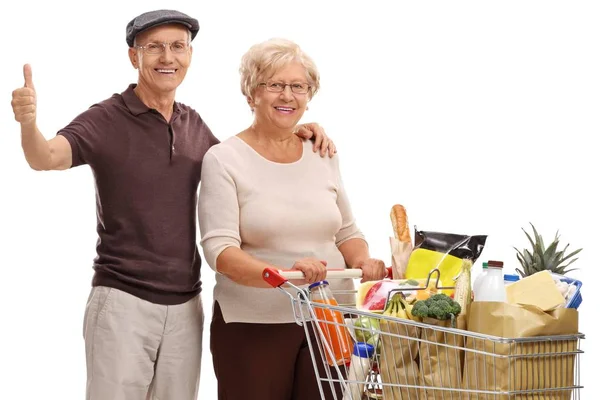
(143, 319)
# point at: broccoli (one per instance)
(420, 309)
(438, 306)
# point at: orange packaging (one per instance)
(334, 329)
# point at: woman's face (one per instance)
(281, 110)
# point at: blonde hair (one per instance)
(264, 59)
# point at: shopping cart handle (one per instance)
(277, 277)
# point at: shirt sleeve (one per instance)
(349, 229)
(218, 210)
(86, 134)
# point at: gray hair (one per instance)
(264, 59)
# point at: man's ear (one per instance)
(133, 57)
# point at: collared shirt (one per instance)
(147, 172)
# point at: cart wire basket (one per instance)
(421, 361)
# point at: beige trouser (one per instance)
(137, 350)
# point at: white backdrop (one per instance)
(478, 116)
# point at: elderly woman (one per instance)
(267, 200)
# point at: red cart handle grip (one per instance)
(277, 277)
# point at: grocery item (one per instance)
(444, 251)
(332, 324)
(462, 290)
(569, 288)
(509, 278)
(538, 365)
(437, 363)
(438, 306)
(401, 244)
(538, 290)
(482, 274)
(398, 356)
(491, 287)
(398, 307)
(372, 295)
(360, 366)
(542, 258)
(400, 223)
(365, 328)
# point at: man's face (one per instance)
(162, 56)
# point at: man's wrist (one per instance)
(28, 129)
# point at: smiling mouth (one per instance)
(165, 71)
(285, 109)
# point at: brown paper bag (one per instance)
(397, 363)
(441, 366)
(400, 255)
(510, 365)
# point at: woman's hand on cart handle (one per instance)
(373, 270)
(313, 270)
(277, 277)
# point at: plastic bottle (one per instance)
(479, 278)
(332, 324)
(510, 279)
(360, 367)
(492, 285)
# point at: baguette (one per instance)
(400, 223)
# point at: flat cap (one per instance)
(159, 17)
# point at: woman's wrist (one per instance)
(358, 263)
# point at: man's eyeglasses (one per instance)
(177, 47)
(278, 87)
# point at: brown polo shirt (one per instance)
(147, 172)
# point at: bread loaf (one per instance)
(400, 223)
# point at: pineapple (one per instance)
(542, 258)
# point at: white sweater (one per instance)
(277, 213)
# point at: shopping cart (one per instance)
(419, 361)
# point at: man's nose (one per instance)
(167, 54)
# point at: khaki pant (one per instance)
(137, 350)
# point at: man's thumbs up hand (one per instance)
(28, 75)
(24, 99)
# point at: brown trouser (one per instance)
(137, 350)
(263, 361)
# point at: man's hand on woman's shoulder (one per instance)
(316, 133)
